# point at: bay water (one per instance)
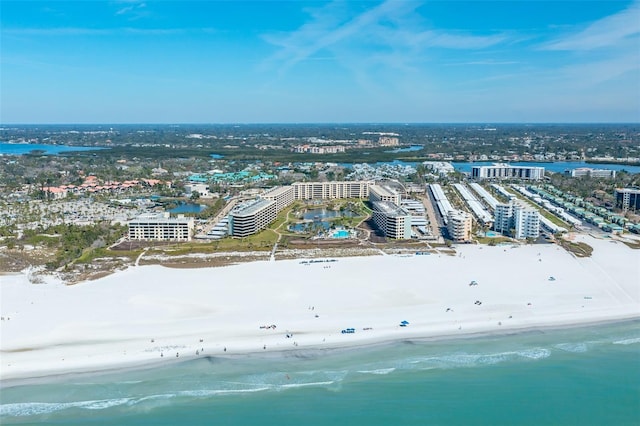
(572, 376)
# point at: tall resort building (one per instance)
(459, 225)
(392, 220)
(251, 217)
(628, 199)
(527, 222)
(517, 216)
(503, 215)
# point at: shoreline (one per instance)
(61, 376)
(144, 316)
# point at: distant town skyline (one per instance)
(128, 61)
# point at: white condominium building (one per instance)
(383, 193)
(628, 199)
(393, 221)
(331, 190)
(517, 216)
(459, 225)
(251, 217)
(595, 173)
(161, 227)
(282, 195)
(506, 171)
(527, 222)
(503, 216)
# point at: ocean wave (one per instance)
(536, 353)
(24, 409)
(304, 385)
(379, 371)
(203, 393)
(630, 341)
(573, 347)
(466, 360)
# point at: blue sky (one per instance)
(127, 61)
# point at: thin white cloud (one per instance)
(459, 41)
(486, 62)
(606, 32)
(133, 9)
(325, 31)
(392, 25)
(590, 74)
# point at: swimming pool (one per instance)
(340, 233)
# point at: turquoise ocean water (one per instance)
(581, 376)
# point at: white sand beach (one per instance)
(151, 314)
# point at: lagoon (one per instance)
(556, 167)
(7, 148)
(315, 214)
(411, 148)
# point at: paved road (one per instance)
(222, 213)
(434, 218)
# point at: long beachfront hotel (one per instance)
(331, 190)
(506, 171)
(282, 195)
(251, 217)
(161, 227)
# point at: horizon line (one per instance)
(397, 123)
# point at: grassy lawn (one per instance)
(553, 218)
(494, 240)
(579, 249)
(357, 207)
(88, 255)
(635, 246)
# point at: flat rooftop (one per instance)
(160, 218)
(275, 191)
(251, 207)
(389, 209)
(384, 191)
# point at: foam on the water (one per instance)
(379, 371)
(223, 382)
(573, 347)
(35, 408)
(627, 341)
